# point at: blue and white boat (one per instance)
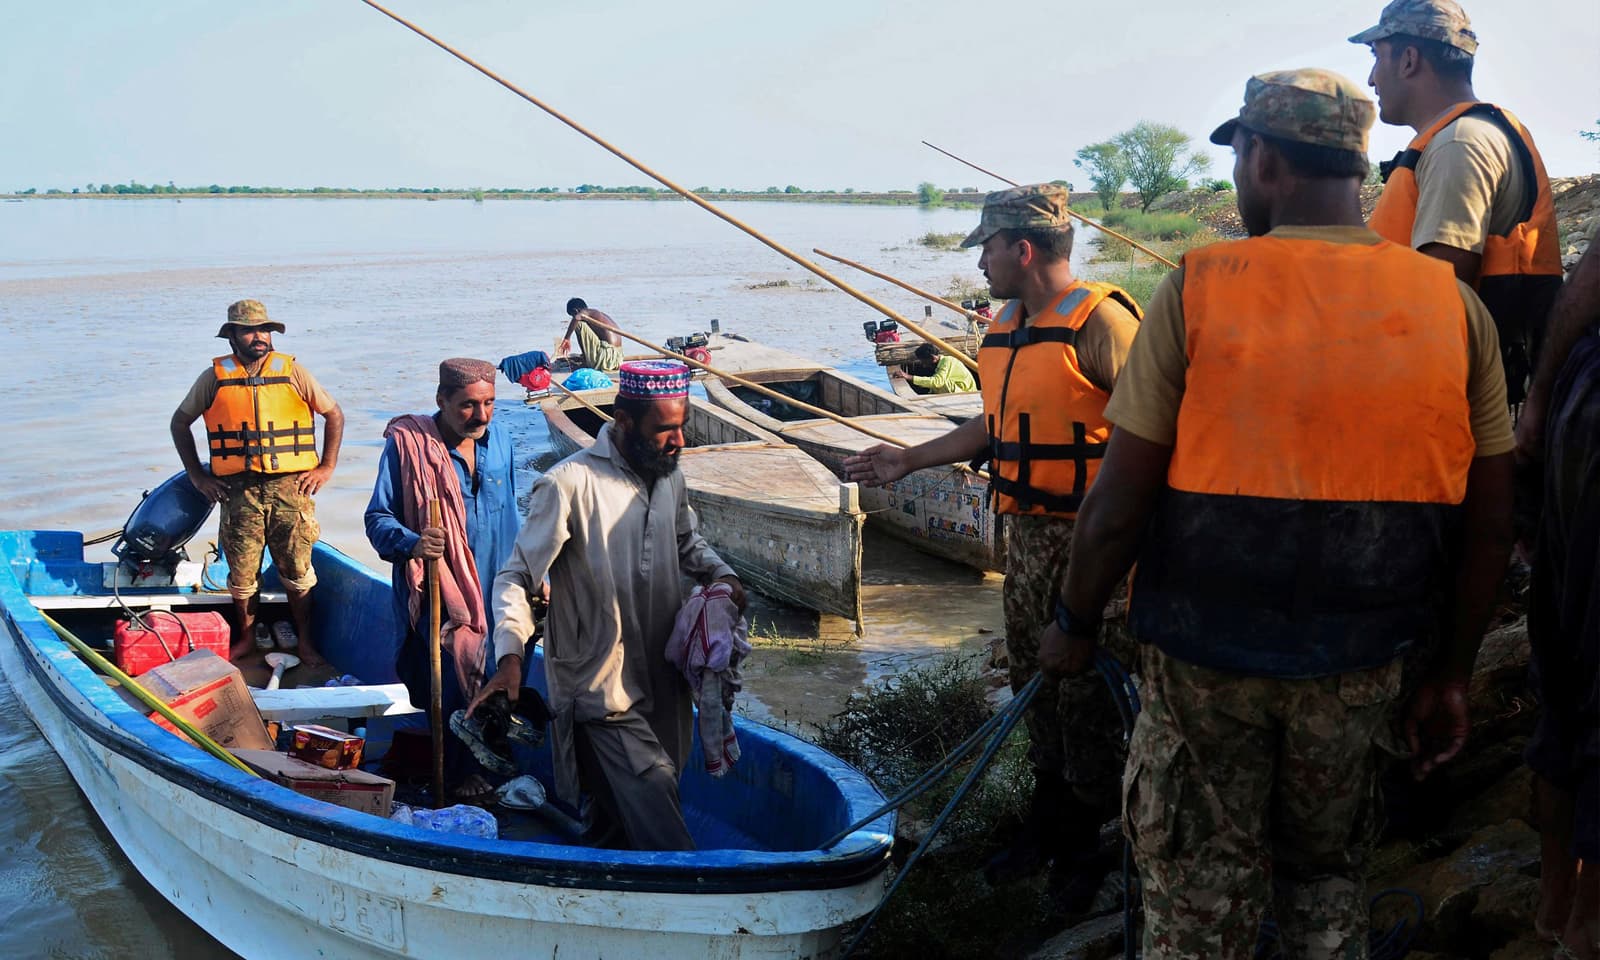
(274, 874)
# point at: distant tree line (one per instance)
(135, 188)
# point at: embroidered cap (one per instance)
(458, 372)
(653, 380)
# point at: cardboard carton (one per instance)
(209, 692)
(355, 789)
(326, 747)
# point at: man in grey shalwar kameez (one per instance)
(612, 529)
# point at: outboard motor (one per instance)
(165, 519)
(881, 331)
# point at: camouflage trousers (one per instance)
(1074, 730)
(1245, 792)
(267, 512)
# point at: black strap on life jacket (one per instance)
(262, 443)
(1408, 158)
(250, 381)
(1024, 452)
(1028, 335)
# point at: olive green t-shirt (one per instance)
(1150, 390)
(1469, 186)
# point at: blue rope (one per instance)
(1126, 697)
(1013, 712)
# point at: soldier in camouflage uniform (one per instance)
(1047, 365)
(263, 465)
(1293, 521)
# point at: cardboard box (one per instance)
(355, 789)
(209, 692)
(326, 747)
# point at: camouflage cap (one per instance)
(1040, 206)
(1441, 20)
(1312, 106)
(248, 313)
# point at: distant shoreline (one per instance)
(886, 198)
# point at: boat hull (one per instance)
(272, 874)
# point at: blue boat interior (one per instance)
(784, 795)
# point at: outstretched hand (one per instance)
(877, 465)
(738, 598)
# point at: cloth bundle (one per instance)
(520, 365)
(709, 639)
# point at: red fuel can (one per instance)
(138, 649)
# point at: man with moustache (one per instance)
(1047, 364)
(1470, 188)
(611, 527)
(459, 458)
(264, 468)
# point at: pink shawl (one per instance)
(428, 474)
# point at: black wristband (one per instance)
(1076, 626)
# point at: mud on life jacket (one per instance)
(1046, 420)
(1521, 271)
(1322, 450)
(259, 423)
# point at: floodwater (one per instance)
(109, 309)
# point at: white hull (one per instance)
(268, 894)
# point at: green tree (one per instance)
(929, 195)
(1159, 160)
(1107, 168)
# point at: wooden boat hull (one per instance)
(958, 407)
(789, 528)
(273, 874)
(939, 510)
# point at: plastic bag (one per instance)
(463, 819)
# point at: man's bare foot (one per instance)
(308, 656)
(1581, 935)
(240, 651)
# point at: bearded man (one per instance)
(612, 529)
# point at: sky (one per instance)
(825, 95)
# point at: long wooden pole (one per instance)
(782, 398)
(435, 668)
(574, 395)
(684, 192)
(146, 697)
(1081, 218)
(941, 301)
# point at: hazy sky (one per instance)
(827, 94)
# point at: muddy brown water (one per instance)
(109, 310)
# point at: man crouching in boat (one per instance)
(611, 527)
(264, 469)
(1047, 365)
(457, 458)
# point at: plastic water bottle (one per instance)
(463, 819)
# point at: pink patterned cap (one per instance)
(653, 380)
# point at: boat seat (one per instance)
(152, 601)
(303, 704)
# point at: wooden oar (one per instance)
(435, 668)
(574, 395)
(970, 315)
(684, 192)
(145, 697)
(783, 398)
(1081, 218)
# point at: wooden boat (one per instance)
(275, 874)
(959, 407)
(939, 510)
(786, 524)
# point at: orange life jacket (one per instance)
(1047, 424)
(259, 423)
(1322, 450)
(1521, 271)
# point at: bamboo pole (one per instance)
(1081, 218)
(146, 697)
(435, 668)
(574, 395)
(970, 315)
(684, 192)
(782, 398)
